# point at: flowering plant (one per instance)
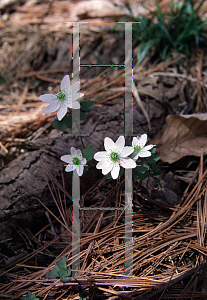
(75, 161)
(65, 98)
(140, 150)
(116, 157)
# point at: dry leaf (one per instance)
(182, 136)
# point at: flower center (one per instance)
(61, 95)
(76, 161)
(137, 148)
(114, 156)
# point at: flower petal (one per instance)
(115, 171)
(128, 163)
(142, 139)
(75, 86)
(100, 155)
(148, 147)
(145, 153)
(79, 154)
(49, 98)
(75, 105)
(107, 168)
(65, 83)
(101, 164)
(120, 143)
(67, 158)
(127, 151)
(52, 107)
(79, 170)
(62, 111)
(135, 141)
(83, 161)
(77, 95)
(70, 168)
(109, 144)
(73, 151)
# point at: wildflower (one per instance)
(139, 147)
(75, 161)
(114, 157)
(66, 97)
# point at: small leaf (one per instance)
(60, 269)
(69, 271)
(82, 116)
(66, 279)
(152, 159)
(53, 273)
(145, 175)
(145, 166)
(62, 262)
(88, 153)
(87, 105)
(108, 176)
(142, 169)
(65, 123)
(62, 273)
(156, 179)
(121, 171)
(144, 49)
(30, 296)
(85, 170)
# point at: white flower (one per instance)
(139, 146)
(66, 97)
(75, 161)
(114, 157)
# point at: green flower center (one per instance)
(137, 148)
(114, 156)
(61, 95)
(76, 161)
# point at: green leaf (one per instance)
(69, 271)
(88, 153)
(121, 171)
(156, 179)
(142, 169)
(152, 159)
(145, 175)
(54, 273)
(30, 296)
(62, 262)
(66, 279)
(65, 123)
(144, 49)
(60, 269)
(87, 105)
(82, 116)
(85, 170)
(108, 176)
(62, 273)
(153, 150)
